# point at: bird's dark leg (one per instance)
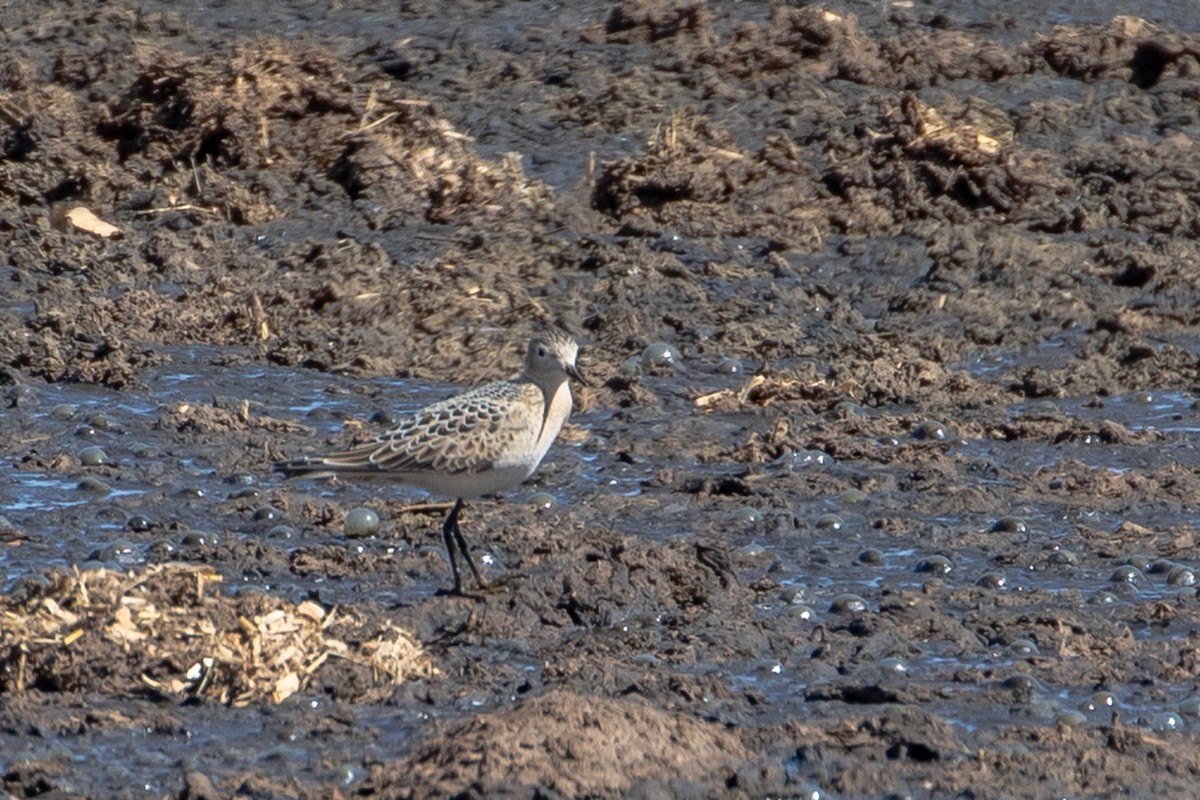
(455, 540)
(448, 528)
(465, 548)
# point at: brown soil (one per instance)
(953, 252)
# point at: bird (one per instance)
(480, 442)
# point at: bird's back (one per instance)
(487, 438)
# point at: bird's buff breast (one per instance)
(510, 470)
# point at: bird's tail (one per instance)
(358, 461)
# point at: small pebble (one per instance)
(1020, 683)
(93, 457)
(139, 524)
(801, 611)
(848, 604)
(1126, 591)
(830, 522)
(660, 357)
(205, 457)
(100, 421)
(1010, 524)
(752, 550)
(542, 500)
(1064, 557)
(383, 418)
(729, 366)
(1045, 408)
(931, 430)
(198, 539)
(1166, 722)
(360, 523)
(1070, 718)
(29, 586)
(992, 580)
(64, 411)
(1023, 647)
(267, 514)
(852, 497)
(347, 774)
(795, 595)
(121, 552)
(936, 564)
(805, 459)
(871, 556)
(1181, 576)
(282, 532)
(746, 515)
(20, 396)
(161, 550)
(1126, 573)
(94, 486)
(1139, 560)
(1190, 705)
(1099, 701)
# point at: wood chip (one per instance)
(311, 610)
(285, 687)
(82, 219)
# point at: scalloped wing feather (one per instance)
(473, 432)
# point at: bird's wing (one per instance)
(469, 432)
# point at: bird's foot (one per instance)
(501, 582)
(497, 585)
(458, 591)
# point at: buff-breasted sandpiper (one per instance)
(480, 442)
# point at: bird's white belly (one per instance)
(470, 484)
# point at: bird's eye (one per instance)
(541, 352)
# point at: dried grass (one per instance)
(166, 630)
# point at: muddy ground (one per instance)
(910, 516)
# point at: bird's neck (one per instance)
(556, 407)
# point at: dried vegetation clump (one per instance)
(165, 631)
(693, 171)
(194, 134)
(165, 147)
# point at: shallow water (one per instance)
(813, 565)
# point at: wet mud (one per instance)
(905, 507)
